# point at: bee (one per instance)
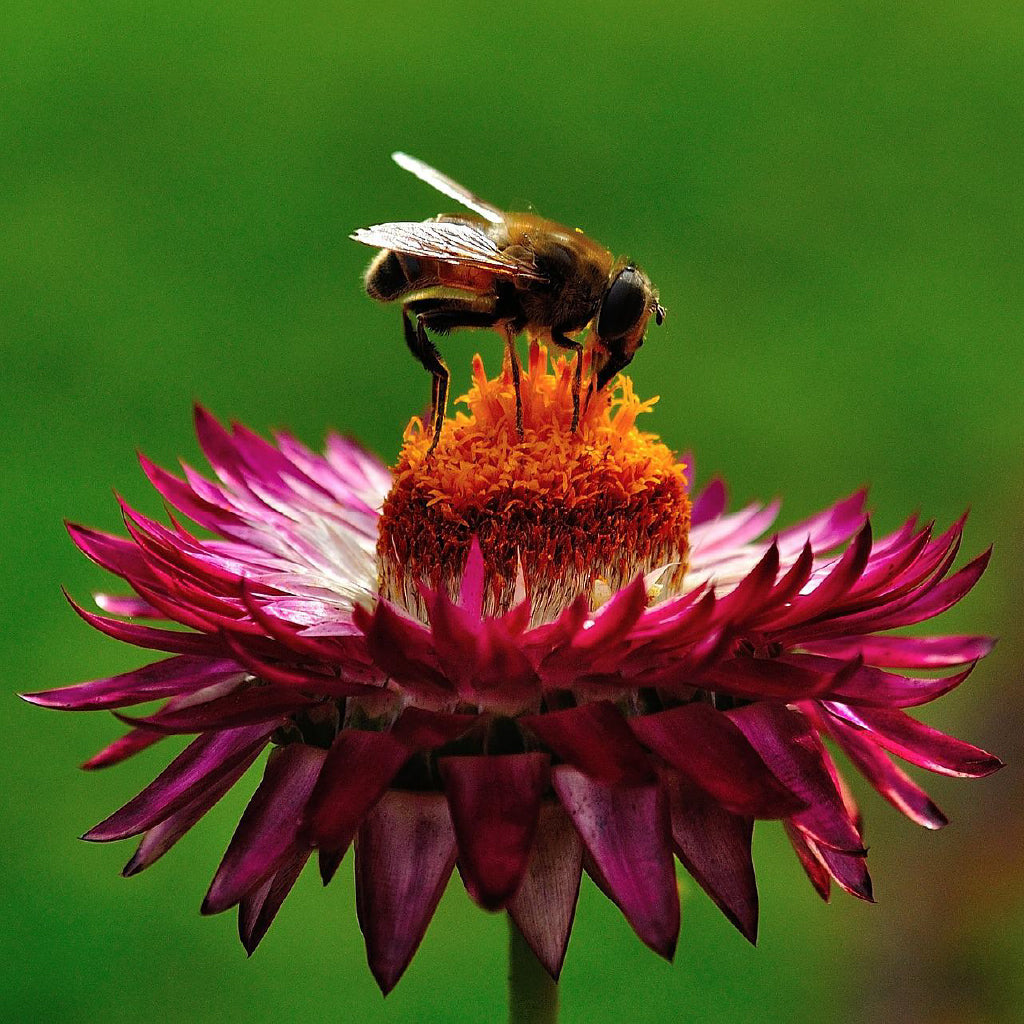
(514, 272)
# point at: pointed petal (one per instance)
(810, 860)
(710, 503)
(471, 590)
(357, 771)
(791, 748)
(167, 678)
(246, 706)
(257, 909)
(891, 782)
(626, 830)
(160, 838)
(918, 743)
(712, 752)
(596, 739)
(203, 763)
(907, 651)
(268, 831)
(405, 853)
(714, 846)
(494, 802)
(544, 905)
(121, 749)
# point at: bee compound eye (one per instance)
(623, 304)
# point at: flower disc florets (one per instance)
(576, 512)
(664, 675)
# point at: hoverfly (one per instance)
(510, 271)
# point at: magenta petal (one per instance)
(626, 829)
(121, 749)
(791, 748)
(494, 802)
(907, 651)
(160, 838)
(170, 640)
(918, 743)
(811, 862)
(405, 853)
(712, 752)
(714, 846)
(258, 908)
(892, 783)
(358, 769)
(203, 763)
(544, 905)
(245, 706)
(710, 503)
(596, 739)
(848, 869)
(471, 589)
(166, 678)
(268, 831)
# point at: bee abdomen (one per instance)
(391, 275)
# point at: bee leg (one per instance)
(513, 361)
(429, 358)
(577, 378)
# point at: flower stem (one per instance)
(532, 993)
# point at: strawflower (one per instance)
(531, 657)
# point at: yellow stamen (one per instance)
(581, 512)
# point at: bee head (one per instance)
(627, 305)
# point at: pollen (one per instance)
(557, 513)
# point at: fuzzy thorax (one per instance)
(556, 512)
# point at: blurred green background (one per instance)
(829, 199)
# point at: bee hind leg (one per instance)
(562, 341)
(427, 355)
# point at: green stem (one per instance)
(532, 994)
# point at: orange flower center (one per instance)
(558, 512)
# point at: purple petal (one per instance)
(471, 590)
(892, 783)
(167, 678)
(596, 739)
(160, 838)
(810, 860)
(405, 853)
(172, 641)
(710, 503)
(790, 746)
(494, 802)
(711, 751)
(918, 743)
(246, 706)
(626, 829)
(257, 909)
(544, 905)
(203, 763)
(121, 749)
(267, 834)
(907, 651)
(357, 771)
(714, 846)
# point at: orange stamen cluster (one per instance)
(577, 512)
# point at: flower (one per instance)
(529, 655)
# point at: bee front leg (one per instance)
(562, 341)
(517, 374)
(427, 355)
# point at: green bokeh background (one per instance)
(829, 198)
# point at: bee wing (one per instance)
(446, 186)
(450, 241)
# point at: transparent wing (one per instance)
(446, 186)
(450, 241)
